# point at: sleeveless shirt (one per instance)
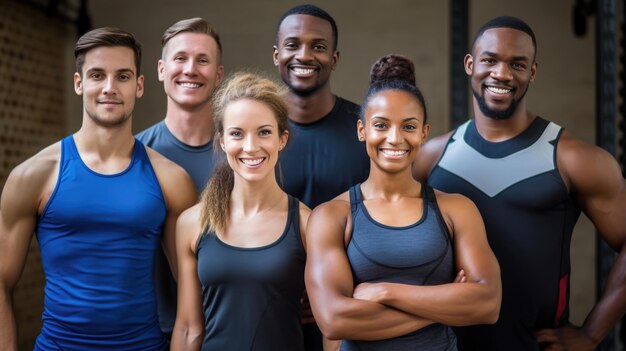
(251, 296)
(98, 235)
(529, 216)
(417, 254)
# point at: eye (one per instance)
(290, 45)
(379, 125)
(265, 132)
(488, 60)
(518, 66)
(179, 58)
(96, 76)
(235, 134)
(123, 77)
(410, 127)
(319, 47)
(203, 61)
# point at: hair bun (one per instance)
(393, 66)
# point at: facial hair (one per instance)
(497, 114)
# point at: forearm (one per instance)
(456, 304)
(185, 338)
(8, 330)
(612, 305)
(364, 320)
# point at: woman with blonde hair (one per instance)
(240, 249)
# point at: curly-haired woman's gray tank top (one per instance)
(251, 296)
(417, 254)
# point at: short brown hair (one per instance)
(192, 25)
(108, 37)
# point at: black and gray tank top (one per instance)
(417, 254)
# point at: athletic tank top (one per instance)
(529, 216)
(417, 254)
(251, 296)
(98, 235)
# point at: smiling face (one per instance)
(501, 68)
(251, 139)
(190, 69)
(109, 85)
(304, 53)
(393, 130)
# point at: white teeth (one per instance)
(298, 70)
(190, 85)
(499, 90)
(252, 161)
(394, 152)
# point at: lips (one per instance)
(189, 85)
(303, 71)
(394, 153)
(499, 90)
(252, 162)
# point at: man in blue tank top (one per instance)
(530, 179)
(100, 204)
(190, 69)
(323, 157)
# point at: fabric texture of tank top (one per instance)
(251, 296)
(98, 235)
(529, 217)
(417, 254)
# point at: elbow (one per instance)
(491, 306)
(330, 327)
(188, 335)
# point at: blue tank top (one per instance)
(529, 216)
(98, 235)
(417, 254)
(251, 296)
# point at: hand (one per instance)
(460, 277)
(374, 292)
(568, 337)
(307, 313)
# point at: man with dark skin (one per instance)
(530, 179)
(324, 156)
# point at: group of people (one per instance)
(259, 216)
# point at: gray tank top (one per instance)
(417, 254)
(251, 296)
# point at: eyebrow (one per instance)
(515, 58)
(404, 120)
(121, 70)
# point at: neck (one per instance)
(311, 108)
(193, 127)
(495, 130)
(251, 198)
(106, 142)
(390, 186)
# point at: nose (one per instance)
(250, 144)
(394, 136)
(190, 67)
(304, 54)
(502, 72)
(109, 86)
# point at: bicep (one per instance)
(189, 310)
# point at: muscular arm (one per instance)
(189, 326)
(330, 286)
(595, 179)
(179, 193)
(477, 301)
(21, 199)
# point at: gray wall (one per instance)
(563, 90)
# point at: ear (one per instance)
(220, 75)
(78, 84)
(468, 63)
(360, 130)
(284, 137)
(139, 92)
(425, 132)
(335, 59)
(161, 70)
(275, 55)
(221, 139)
(533, 71)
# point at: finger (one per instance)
(547, 335)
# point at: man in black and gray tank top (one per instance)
(530, 179)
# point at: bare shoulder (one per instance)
(176, 184)
(452, 202)
(305, 212)
(428, 156)
(581, 164)
(163, 166)
(188, 227)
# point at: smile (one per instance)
(190, 85)
(499, 91)
(303, 71)
(394, 153)
(252, 162)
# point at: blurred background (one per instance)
(578, 85)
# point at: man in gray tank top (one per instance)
(190, 69)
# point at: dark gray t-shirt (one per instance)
(199, 162)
